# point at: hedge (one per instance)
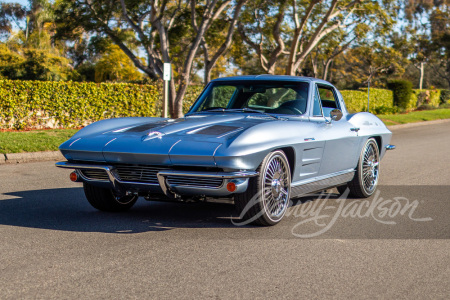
(445, 96)
(420, 97)
(356, 101)
(191, 95)
(39, 104)
(402, 90)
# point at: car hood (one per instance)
(191, 140)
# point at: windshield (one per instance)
(274, 97)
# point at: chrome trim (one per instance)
(314, 179)
(108, 169)
(389, 147)
(161, 176)
(223, 175)
(321, 182)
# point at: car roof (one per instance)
(268, 77)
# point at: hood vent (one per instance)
(217, 130)
(143, 127)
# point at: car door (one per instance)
(341, 139)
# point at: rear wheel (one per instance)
(105, 200)
(365, 181)
(267, 197)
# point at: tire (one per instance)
(105, 200)
(365, 182)
(266, 208)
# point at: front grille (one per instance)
(147, 174)
(95, 174)
(194, 181)
(138, 173)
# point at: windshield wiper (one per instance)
(246, 109)
(214, 109)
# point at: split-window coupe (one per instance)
(257, 141)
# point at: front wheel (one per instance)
(267, 197)
(105, 200)
(365, 181)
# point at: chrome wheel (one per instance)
(276, 187)
(266, 199)
(370, 166)
(365, 181)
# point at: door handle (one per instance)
(355, 129)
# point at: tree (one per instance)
(288, 31)
(440, 35)
(333, 46)
(10, 14)
(260, 28)
(367, 64)
(221, 40)
(427, 38)
(114, 65)
(33, 64)
(153, 23)
(29, 53)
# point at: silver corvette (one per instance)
(257, 141)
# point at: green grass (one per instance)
(32, 141)
(416, 116)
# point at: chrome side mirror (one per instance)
(336, 114)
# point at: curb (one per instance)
(415, 124)
(15, 158)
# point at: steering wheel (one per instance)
(212, 107)
(292, 105)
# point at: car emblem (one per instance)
(152, 135)
(156, 134)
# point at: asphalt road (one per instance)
(396, 245)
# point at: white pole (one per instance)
(166, 98)
(166, 77)
(368, 95)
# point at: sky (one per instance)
(23, 2)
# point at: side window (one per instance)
(328, 99)
(317, 110)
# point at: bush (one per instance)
(191, 95)
(51, 104)
(356, 101)
(445, 96)
(425, 97)
(402, 91)
(445, 105)
(387, 110)
(40, 104)
(426, 107)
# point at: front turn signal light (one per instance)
(73, 176)
(231, 186)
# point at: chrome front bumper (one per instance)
(170, 190)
